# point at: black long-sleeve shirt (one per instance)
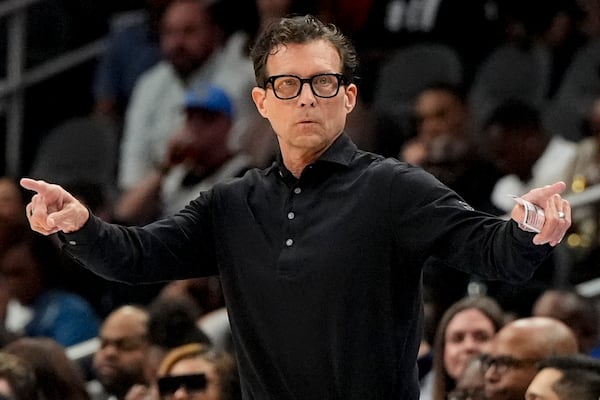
(322, 274)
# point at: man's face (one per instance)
(438, 113)
(509, 151)
(540, 387)
(204, 133)
(119, 363)
(21, 274)
(511, 369)
(11, 201)
(307, 123)
(188, 37)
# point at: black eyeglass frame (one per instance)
(505, 363)
(341, 81)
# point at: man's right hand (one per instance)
(53, 209)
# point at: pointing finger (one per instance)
(38, 186)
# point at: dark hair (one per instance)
(443, 383)
(581, 376)
(516, 116)
(172, 323)
(58, 377)
(455, 90)
(298, 30)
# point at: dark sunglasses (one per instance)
(168, 385)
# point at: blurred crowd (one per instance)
(492, 97)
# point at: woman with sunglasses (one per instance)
(197, 372)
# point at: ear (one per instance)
(258, 96)
(350, 95)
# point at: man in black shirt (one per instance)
(320, 255)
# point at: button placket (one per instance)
(291, 215)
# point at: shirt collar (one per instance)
(340, 152)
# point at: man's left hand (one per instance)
(557, 213)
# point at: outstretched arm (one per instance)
(53, 209)
(557, 213)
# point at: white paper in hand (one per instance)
(534, 218)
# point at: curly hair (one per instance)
(298, 30)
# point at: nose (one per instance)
(473, 344)
(180, 394)
(306, 95)
(491, 375)
(109, 350)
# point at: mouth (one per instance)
(107, 370)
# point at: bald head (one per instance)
(537, 337)
(128, 318)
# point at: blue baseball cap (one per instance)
(209, 97)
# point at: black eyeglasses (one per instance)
(466, 394)
(504, 363)
(128, 343)
(168, 385)
(287, 87)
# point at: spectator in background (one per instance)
(191, 41)
(198, 156)
(578, 312)
(465, 330)
(523, 151)
(515, 350)
(444, 145)
(553, 27)
(565, 378)
(439, 110)
(586, 173)
(17, 379)
(119, 363)
(195, 368)
(12, 200)
(171, 323)
(130, 51)
(470, 27)
(12, 224)
(56, 376)
(32, 272)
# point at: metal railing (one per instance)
(18, 79)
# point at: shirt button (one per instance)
(72, 242)
(289, 242)
(291, 215)
(297, 190)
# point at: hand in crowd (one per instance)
(557, 212)
(53, 209)
(181, 148)
(141, 392)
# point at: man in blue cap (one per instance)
(198, 156)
